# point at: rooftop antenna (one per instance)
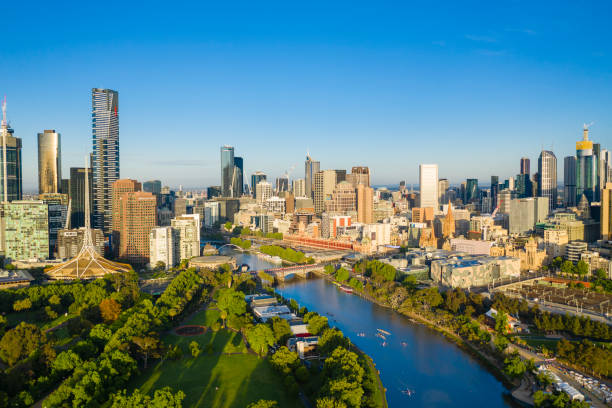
(4, 132)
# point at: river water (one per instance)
(415, 358)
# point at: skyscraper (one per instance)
(49, 162)
(569, 181)
(525, 164)
(13, 182)
(359, 175)
(137, 215)
(428, 185)
(263, 191)
(605, 167)
(26, 230)
(547, 185)
(443, 186)
(494, 192)
(324, 183)
(606, 212)
(255, 179)
(238, 183)
(299, 188)
(587, 179)
(105, 131)
(471, 190)
(365, 204)
(282, 183)
(311, 168)
(120, 187)
(77, 195)
(153, 186)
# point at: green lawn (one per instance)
(215, 380)
(205, 317)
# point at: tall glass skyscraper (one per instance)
(494, 191)
(547, 169)
(105, 132)
(471, 190)
(311, 168)
(238, 177)
(587, 166)
(14, 177)
(49, 162)
(227, 170)
(569, 181)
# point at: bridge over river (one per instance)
(281, 274)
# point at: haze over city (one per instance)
(389, 86)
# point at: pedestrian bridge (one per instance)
(289, 272)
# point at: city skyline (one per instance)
(518, 84)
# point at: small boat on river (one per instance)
(346, 289)
(386, 333)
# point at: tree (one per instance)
(501, 322)
(230, 302)
(281, 329)
(514, 366)
(316, 324)
(567, 267)
(501, 342)
(263, 404)
(345, 376)
(329, 269)
(582, 268)
(110, 310)
(284, 360)
(20, 342)
(330, 340)
(260, 337)
(148, 345)
(23, 304)
(160, 266)
(161, 398)
(194, 348)
(67, 361)
(342, 274)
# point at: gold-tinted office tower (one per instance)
(606, 212)
(365, 204)
(49, 162)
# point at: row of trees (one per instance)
(242, 243)
(246, 231)
(576, 325)
(287, 254)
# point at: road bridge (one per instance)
(281, 274)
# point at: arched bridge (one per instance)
(297, 270)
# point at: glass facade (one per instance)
(13, 167)
(227, 170)
(49, 162)
(26, 230)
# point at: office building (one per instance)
(471, 190)
(547, 170)
(49, 162)
(524, 187)
(263, 191)
(574, 249)
(136, 217)
(343, 198)
(282, 183)
(227, 171)
(65, 187)
(525, 166)
(105, 132)
(238, 182)
(77, 195)
(213, 192)
(58, 210)
(180, 207)
(365, 204)
(606, 212)
(525, 213)
(311, 168)
(152, 186)
(569, 181)
(494, 192)
(324, 184)
(428, 185)
(188, 227)
(340, 175)
(605, 167)
(70, 242)
(443, 186)
(299, 188)
(255, 179)
(13, 180)
(211, 213)
(587, 166)
(26, 230)
(359, 175)
(164, 247)
(119, 188)
(275, 205)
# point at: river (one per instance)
(415, 358)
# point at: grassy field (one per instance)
(214, 380)
(205, 317)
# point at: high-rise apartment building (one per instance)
(299, 188)
(137, 217)
(152, 186)
(263, 191)
(569, 181)
(547, 169)
(105, 132)
(26, 230)
(12, 181)
(211, 213)
(311, 168)
(119, 188)
(365, 204)
(324, 184)
(188, 227)
(164, 246)
(606, 212)
(428, 185)
(49, 162)
(77, 195)
(525, 166)
(255, 179)
(587, 166)
(359, 175)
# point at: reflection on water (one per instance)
(414, 358)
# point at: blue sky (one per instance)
(471, 86)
